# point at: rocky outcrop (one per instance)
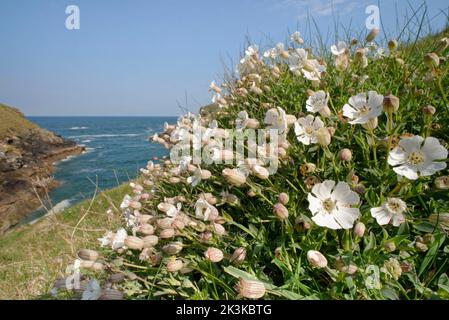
(27, 156)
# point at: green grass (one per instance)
(12, 121)
(32, 257)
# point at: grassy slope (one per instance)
(32, 257)
(13, 121)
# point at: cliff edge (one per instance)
(27, 154)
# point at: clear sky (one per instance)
(144, 57)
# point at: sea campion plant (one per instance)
(358, 208)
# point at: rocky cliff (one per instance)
(27, 155)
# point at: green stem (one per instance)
(440, 86)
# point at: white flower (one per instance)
(205, 211)
(184, 163)
(361, 110)
(297, 60)
(331, 204)
(305, 129)
(296, 37)
(415, 157)
(125, 203)
(173, 210)
(275, 52)
(93, 290)
(391, 211)
(196, 178)
(252, 50)
(317, 102)
(241, 120)
(119, 239)
(276, 118)
(339, 49)
(106, 239)
(313, 70)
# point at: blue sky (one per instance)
(141, 57)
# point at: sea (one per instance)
(116, 148)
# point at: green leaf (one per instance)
(431, 253)
(426, 227)
(389, 293)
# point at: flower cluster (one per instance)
(356, 204)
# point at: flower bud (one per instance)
(391, 103)
(134, 243)
(111, 294)
(252, 124)
(206, 237)
(214, 254)
(167, 233)
(174, 265)
(422, 247)
(440, 219)
(429, 110)
(301, 224)
(250, 289)
(261, 172)
(372, 34)
(146, 229)
(316, 259)
(371, 124)
(442, 183)
(390, 246)
(205, 174)
(234, 177)
(307, 168)
(88, 255)
(150, 241)
(238, 256)
(442, 45)
(172, 248)
(323, 137)
(432, 60)
(359, 229)
(345, 268)
(346, 155)
(283, 198)
(280, 211)
(392, 45)
(251, 193)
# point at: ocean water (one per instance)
(117, 147)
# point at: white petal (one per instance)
(375, 100)
(406, 171)
(397, 156)
(343, 194)
(325, 220)
(432, 168)
(382, 217)
(433, 149)
(349, 112)
(346, 217)
(398, 219)
(358, 101)
(411, 144)
(323, 190)
(314, 204)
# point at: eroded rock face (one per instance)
(26, 166)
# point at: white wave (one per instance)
(79, 128)
(59, 207)
(67, 159)
(87, 150)
(86, 141)
(90, 136)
